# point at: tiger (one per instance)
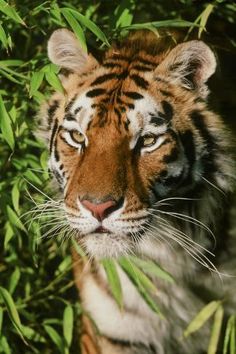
(144, 168)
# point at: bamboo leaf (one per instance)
(8, 235)
(15, 196)
(1, 320)
(3, 37)
(152, 268)
(113, 280)
(201, 317)
(204, 17)
(4, 345)
(14, 219)
(53, 80)
(90, 25)
(227, 334)
(5, 125)
(215, 333)
(10, 12)
(68, 320)
(160, 24)
(35, 82)
(77, 29)
(14, 280)
(55, 337)
(232, 337)
(12, 311)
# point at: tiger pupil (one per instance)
(77, 136)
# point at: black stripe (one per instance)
(187, 140)
(104, 78)
(69, 116)
(70, 104)
(118, 115)
(51, 110)
(172, 156)
(166, 93)
(140, 81)
(133, 95)
(141, 68)
(95, 92)
(145, 61)
(77, 110)
(173, 180)
(54, 131)
(168, 111)
(157, 121)
(110, 64)
(56, 152)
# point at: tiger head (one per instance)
(130, 131)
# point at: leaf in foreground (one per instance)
(215, 333)
(5, 125)
(113, 280)
(202, 317)
(68, 320)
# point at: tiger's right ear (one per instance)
(65, 51)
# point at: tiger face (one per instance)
(128, 132)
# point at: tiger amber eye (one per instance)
(149, 140)
(77, 137)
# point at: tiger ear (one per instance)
(65, 51)
(189, 64)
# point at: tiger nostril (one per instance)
(101, 210)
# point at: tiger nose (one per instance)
(100, 210)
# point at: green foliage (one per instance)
(39, 306)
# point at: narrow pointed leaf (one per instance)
(53, 80)
(201, 317)
(113, 280)
(6, 126)
(77, 29)
(68, 320)
(227, 334)
(14, 219)
(14, 280)
(215, 333)
(204, 17)
(35, 82)
(55, 337)
(10, 12)
(232, 337)
(3, 37)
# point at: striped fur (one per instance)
(168, 195)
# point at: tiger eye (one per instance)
(77, 137)
(148, 140)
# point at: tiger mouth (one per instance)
(101, 230)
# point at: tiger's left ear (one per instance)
(189, 64)
(65, 51)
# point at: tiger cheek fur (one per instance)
(141, 162)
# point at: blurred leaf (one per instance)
(12, 311)
(3, 37)
(5, 125)
(11, 62)
(35, 82)
(215, 333)
(227, 334)
(33, 177)
(152, 268)
(202, 317)
(124, 13)
(10, 12)
(4, 346)
(1, 320)
(8, 235)
(15, 196)
(14, 219)
(113, 280)
(204, 17)
(14, 280)
(33, 335)
(232, 337)
(55, 337)
(160, 24)
(68, 321)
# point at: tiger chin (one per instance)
(144, 168)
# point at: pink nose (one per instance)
(100, 210)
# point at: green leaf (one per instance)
(5, 125)
(202, 317)
(10, 12)
(232, 337)
(77, 29)
(4, 346)
(215, 333)
(11, 62)
(8, 235)
(53, 80)
(32, 335)
(1, 320)
(12, 311)
(68, 320)
(14, 280)
(3, 37)
(113, 280)
(152, 268)
(55, 337)
(35, 82)
(142, 283)
(15, 196)
(90, 25)
(160, 24)
(33, 177)
(14, 219)
(227, 334)
(204, 17)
